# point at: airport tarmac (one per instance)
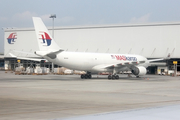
(47, 97)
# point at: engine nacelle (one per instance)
(139, 71)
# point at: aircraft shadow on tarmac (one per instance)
(94, 77)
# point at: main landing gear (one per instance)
(86, 76)
(113, 77)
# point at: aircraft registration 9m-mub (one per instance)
(89, 62)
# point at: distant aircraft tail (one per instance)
(46, 43)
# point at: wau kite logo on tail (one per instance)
(11, 38)
(45, 38)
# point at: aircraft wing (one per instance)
(117, 65)
(128, 64)
(28, 58)
(156, 60)
(160, 59)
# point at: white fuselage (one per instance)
(90, 62)
(87, 61)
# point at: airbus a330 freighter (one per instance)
(84, 61)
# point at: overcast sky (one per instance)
(18, 13)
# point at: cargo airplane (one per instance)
(89, 62)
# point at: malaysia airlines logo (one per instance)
(11, 38)
(112, 56)
(46, 40)
(123, 57)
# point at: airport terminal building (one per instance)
(157, 40)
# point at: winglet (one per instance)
(12, 55)
(168, 57)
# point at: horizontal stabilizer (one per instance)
(27, 58)
(51, 54)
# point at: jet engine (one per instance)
(139, 70)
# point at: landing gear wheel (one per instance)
(86, 76)
(82, 76)
(109, 77)
(113, 77)
(117, 77)
(89, 76)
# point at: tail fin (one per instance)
(45, 41)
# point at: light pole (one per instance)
(53, 16)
